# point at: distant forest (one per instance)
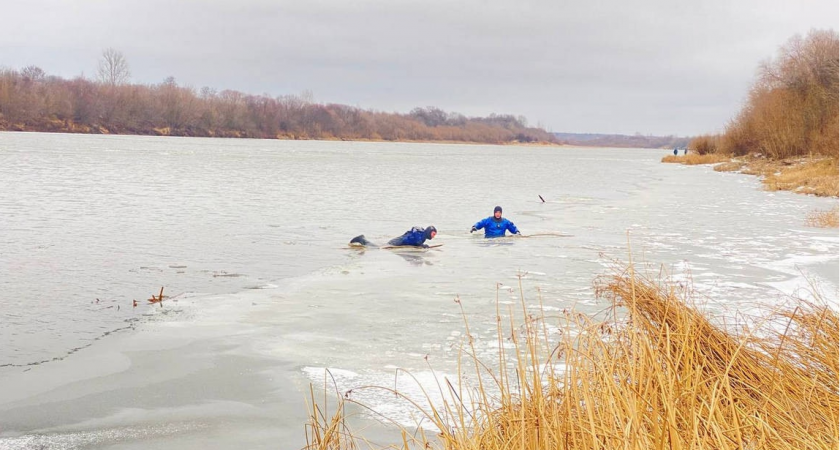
(31, 100)
(620, 140)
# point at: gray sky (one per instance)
(653, 66)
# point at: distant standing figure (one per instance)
(685, 151)
(675, 152)
(495, 225)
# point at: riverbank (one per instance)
(816, 176)
(37, 102)
(70, 127)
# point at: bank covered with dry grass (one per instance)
(816, 176)
(660, 374)
(787, 130)
(694, 159)
(803, 175)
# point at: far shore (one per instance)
(280, 137)
(287, 137)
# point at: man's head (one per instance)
(431, 232)
(497, 212)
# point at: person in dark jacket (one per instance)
(495, 225)
(415, 237)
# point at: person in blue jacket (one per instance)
(415, 237)
(495, 225)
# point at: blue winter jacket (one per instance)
(416, 236)
(495, 228)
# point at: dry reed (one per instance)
(693, 159)
(819, 177)
(731, 166)
(662, 377)
(810, 175)
(705, 144)
(824, 219)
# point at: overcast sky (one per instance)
(653, 67)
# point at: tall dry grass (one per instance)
(704, 144)
(731, 166)
(824, 219)
(659, 375)
(818, 177)
(692, 159)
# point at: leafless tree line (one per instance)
(31, 100)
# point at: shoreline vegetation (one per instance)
(31, 100)
(813, 175)
(792, 108)
(788, 131)
(804, 175)
(658, 372)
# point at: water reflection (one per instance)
(497, 242)
(415, 259)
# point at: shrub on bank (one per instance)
(705, 144)
(792, 108)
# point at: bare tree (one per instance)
(113, 67)
(33, 73)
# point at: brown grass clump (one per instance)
(818, 177)
(662, 377)
(761, 167)
(824, 219)
(731, 166)
(694, 159)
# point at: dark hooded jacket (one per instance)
(416, 237)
